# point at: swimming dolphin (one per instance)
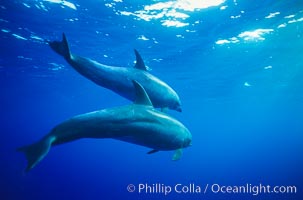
(139, 123)
(119, 79)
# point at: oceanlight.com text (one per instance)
(215, 188)
(253, 189)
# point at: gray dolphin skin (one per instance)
(139, 123)
(119, 79)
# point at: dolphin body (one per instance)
(119, 79)
(139, 123)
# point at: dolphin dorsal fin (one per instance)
(139, 62)
(141, 96)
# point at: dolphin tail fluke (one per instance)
(61, 47)
(34, 153)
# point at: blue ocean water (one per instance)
(237, 66)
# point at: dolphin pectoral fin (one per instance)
(178, 154)
(61, 47)
(141, 95)
(153, 151)
(34, 153)
(139, 62)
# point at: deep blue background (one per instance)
(242, 133)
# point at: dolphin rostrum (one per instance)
(119, 79)
(139, 123)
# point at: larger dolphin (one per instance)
(139, 123)
(119, 79)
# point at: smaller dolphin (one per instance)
(139, 123)
(119, 79)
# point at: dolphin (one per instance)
(119, 79)
(139, 123)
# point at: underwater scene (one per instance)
(151, 99)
